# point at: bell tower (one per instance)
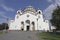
(39, 14)
(19, 13)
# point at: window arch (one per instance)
(39, 12)
(33, 23)
(28, 15)
(22, 22)
(28, 21)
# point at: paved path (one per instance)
(19, 35)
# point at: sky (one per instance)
(8, 8)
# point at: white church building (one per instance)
(29, 19)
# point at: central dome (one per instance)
(29, 8)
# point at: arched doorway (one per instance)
(33, 26)
(22, 25)
(28, 25)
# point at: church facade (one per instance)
(29, 19)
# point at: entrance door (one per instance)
(28, 27)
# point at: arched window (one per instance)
(22, 22)
(22, 25)
(18, 12)
(39, 12)
(33, 23)
(28, 21)
(33, 26)
(27, 15)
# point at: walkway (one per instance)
(19, 35)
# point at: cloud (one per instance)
(2, 18)
(57, 2)
(1, 1)
(2, 14)
(6, 8)
(49, 0)
(49, 10)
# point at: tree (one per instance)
(1, 27)
(56, 18)
(4, 26)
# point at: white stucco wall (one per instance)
(39, 23)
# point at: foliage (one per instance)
(56, 18)
(49, 36)
(3, 26)
(1, 32)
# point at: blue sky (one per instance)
(8, 8)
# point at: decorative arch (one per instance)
(28, 21)
(22, 27)
(39, 12)
(22, 22)
(28, 26)
(33, 25)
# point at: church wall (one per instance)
(24, 18)
(39, 25)
(31, 18)
(43, 25)
(31, 15)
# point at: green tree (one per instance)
(1, 27)
(4, 26)
(56, 18)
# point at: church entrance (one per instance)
(28, 27)
(22, 26)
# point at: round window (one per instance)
(27, 15)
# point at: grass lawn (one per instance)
(1, 32)
(49, 36)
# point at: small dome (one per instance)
(29, 8)
(19, 11)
